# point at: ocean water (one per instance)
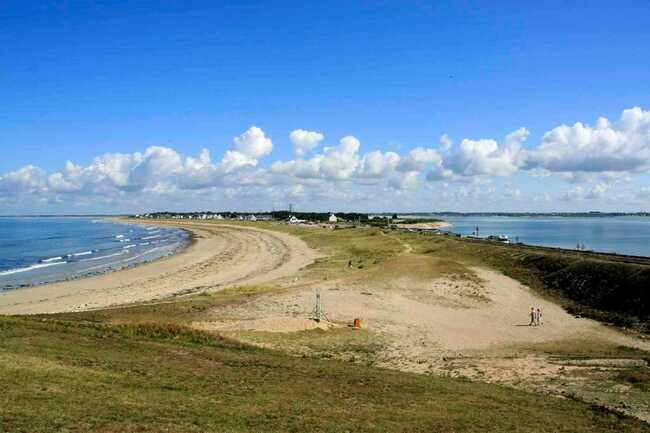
(622, 235)
(36, 250)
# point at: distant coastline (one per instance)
(419, 214)
(535, 214)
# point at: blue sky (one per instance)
(83, 79)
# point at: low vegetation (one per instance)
(62, 375)
(638, 378)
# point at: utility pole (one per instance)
(318, 314)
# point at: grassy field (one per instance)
(65, 375)
(144, 369)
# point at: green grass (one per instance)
(577, 348)
(360, 346)
(638, 378)
(182, 311)
(59, 375)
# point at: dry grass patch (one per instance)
(580, 348)
(342, 343)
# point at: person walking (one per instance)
(539, 317)
(532, 317)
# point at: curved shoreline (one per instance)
(221, 255)
(186, 243)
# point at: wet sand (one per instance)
(221, 255)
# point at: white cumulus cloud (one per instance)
(335, 163)
(622, 146)
(246, 151)
(253, 143)
(594, 158)
(305, 141)
(487, 156)
(377, 164)
(445, 142)
(25, 179)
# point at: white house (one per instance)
(294, 220)
(333, 218)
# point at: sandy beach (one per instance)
(221, 255)
(425, 225)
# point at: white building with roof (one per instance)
(294, 220)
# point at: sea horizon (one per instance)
(402, 214)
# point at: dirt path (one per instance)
(222, 255)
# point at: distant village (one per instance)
(339, 220)
(413, 222)
(281, 216)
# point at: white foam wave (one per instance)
(107, 265)
(119, 236)
(83, 253)
(150, 237)
(51, 259)
(128, 246)
(31, 268)
(140, 255)
(102, 257)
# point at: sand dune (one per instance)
(433, 318)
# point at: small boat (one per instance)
(499, 238)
